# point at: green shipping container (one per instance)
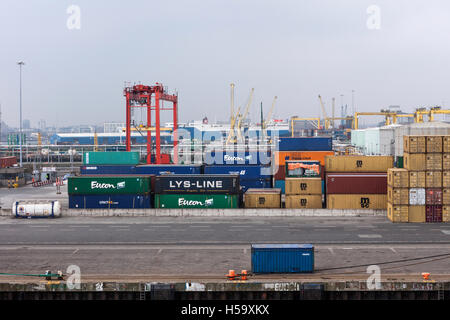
(111, 157)
(211, 201)
(399, 162)
(108, 185)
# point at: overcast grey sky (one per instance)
(293, 49)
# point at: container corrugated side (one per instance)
(111, 158)
(357, 163)
(414, 144)
(305, 144)
(398, 178)
(244, 171)
(205, 201)
(169, 169)
(303, 186)
(416, 214)
(281, 184)
(107, 169)
(282, 258)
(226, 184)
(414, 161)
(303, 201)
(108, 185)
(303, 169)
(227, 157)
(417, 197)
(356, 201)
(398, 196)
(356, 182)
(260, 198)
(118, 201)
(255, 183)
(397, 213)
(417, 179)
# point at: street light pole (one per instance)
(20, 63)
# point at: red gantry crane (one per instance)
(140, 96)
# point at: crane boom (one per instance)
(242, 117)
(269, 114)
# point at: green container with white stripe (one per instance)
(196, 201)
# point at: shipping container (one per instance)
(282, 258)
(280, 184)
(446, 161)
(262, 198)
(152, 177)
(433, 179)
(433, 213)
(398, 196)
(415, 161)
(228, 157)
(303, 201)
(417, 179)
(303, 186)
(110, 170)
(305, 144)
(358, 163)
(399, 162)
(199, 200)
(161, 169)
(433, 161)
(226, 184)
(280, 157)
(279, 173)
(117, 201)
(244, 171)
(446, 144)
(445, 213)
(356, 182)
(398, 178)
(356, 201)
(433, 196)
(416, 214)
(434, 144)
(417, 197)
(414, 144)
(255, 183)
(397, 213)
(446, 196)
(111, 157)
(446, 179)
(6, 162)
(303, 169)
(108, 185)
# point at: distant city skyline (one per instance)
(76, 69)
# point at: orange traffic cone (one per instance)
(231, 275)
(425, 276)
(244, 275)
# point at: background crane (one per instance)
(268, 118)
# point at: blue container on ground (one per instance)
(158, 169)
(305, 144)
(281, 184)
(112, 169)
(245, 171)
(119, 201)
(222, 157)
(282, 258)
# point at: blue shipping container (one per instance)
(118, 169)
(281, 184)
(246, 172)
(305, 144)
(255, 183)
(220, 157)
(122, 201)
(158, 169)
(282, 258)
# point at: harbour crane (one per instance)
(236, 119)
(241, 118)
(268, 118)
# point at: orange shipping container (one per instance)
(280, 157)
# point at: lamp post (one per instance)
(20, 63)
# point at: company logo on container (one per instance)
(232, 158)
(97, 185)
(195, 184)
(191, 203)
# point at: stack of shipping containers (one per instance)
(197, 191)
(303, 148)
(304, 187)
(262, 198)
(357, 182)
(398, 195)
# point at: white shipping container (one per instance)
(36, 209)
(417, 197)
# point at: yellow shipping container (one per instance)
(397, 177)
(433, 179)
(356, 201)
(262, 198)
(446, 196)
(446, 161)
(434, 143)
(398, 196)
(303, 186)
(446, 179)
(417, 179)
(303, 201)
(358, 163)
(414, 144)
(414, 161)
(416, 214)
(446, 144)
(397, 213)
(445, 213)
(433, 161)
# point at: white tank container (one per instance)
(36, 209)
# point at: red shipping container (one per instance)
(356, 183)
(433, 213)
(433, 196)
(7, 161)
